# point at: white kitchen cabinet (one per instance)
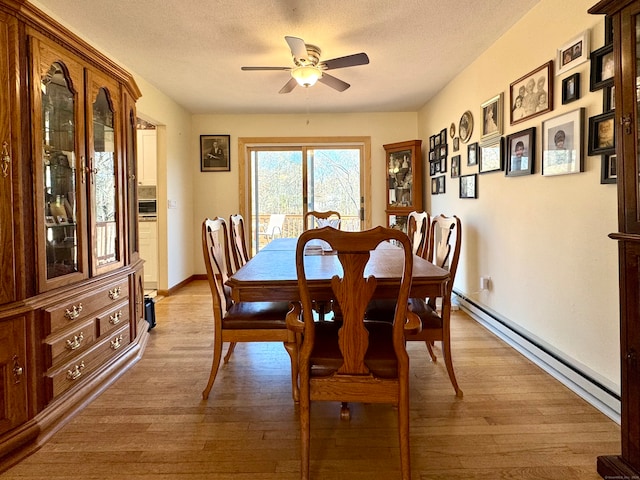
(149, 253)
(147, 157)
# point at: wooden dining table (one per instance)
(271, 274)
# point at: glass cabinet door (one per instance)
(60, 194)
(104, 175)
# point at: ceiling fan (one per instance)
(308, 69)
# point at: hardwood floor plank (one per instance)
(514, 422)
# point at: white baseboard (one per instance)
(577, 378)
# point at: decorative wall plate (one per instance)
(465, 128)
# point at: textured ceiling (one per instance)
(192, 50)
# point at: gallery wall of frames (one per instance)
(562, 137)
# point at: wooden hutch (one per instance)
(625, 18)
(71, 291)
(404, 181)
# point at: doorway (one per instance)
(147, 197)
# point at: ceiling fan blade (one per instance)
(264, 68)
(333, 82)
(298, 48)
(348, 61)
(290, 85)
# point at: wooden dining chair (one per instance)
(445, 237)
(418, 227)
(314, 219)
(239, 249)
(242, 321)
(444, 251)
(350, 360)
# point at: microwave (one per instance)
(147, 208)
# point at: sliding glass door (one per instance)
(287, 182)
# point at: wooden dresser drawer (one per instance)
(65, 344)
(113, 318)
(86, 305)
(62, 379)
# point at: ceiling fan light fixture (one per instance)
(306, 75)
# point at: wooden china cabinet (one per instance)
(71, 294)
(625, 17)
(404, 181)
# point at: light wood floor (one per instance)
(514, 422)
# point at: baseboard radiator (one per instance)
(576, 378)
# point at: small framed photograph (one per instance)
(440, 181)
(571, 88)
(465, 127)
(432, 142)
(443, 136)
(531, 95)
(602, 68)
(452, 130)
(472, 154)
(492, 113)
(609, 172)
(490, 157)
(602, 134)
(434, 186)
(215, 153)
(573, 53)
(443, 150)
(456, 144)
(608, 29)
(469, 186)
(609, 99)
(562, 151)
(455, 166)
(521, 153)
(432, 169)
(443, 165)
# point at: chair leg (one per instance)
(345, 413)
(305, 429)
(232, 347)
(217, 354)
(429, 345)
(292, 350)
(403, 431)
(446, 350)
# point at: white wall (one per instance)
(175, 182)
(217, 193)
(542, 240)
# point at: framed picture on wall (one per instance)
(492, 113)
(562, 151)
(573, 53)
(215, 155)
(602, 133)
(602, 68)
(472, 154)
(571, 88)
(532, 94)
(609, 173)
(455, 166)
(491, 156)
(469, 186)
(521, 153)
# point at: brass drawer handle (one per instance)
(76, 342)
(115, 319)
(6, 159)
(18, 371)
(115, 293)
(74, 312)
(116, 343)
(76, 372)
